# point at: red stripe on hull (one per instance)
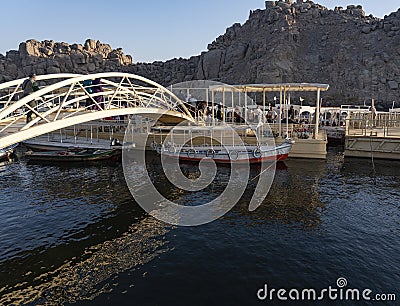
(280, 157)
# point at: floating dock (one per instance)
(373, 136)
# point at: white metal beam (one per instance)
(63, 123)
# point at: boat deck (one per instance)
(370, 141)
(55, 143)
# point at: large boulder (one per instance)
(90, 45)
(393, 85)
(52, 69)
(29, 48)
(211, 63)
(269, 4)
(78, 58)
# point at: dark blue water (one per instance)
(73, 234)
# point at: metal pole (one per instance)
(263, 117)
(264, 98)
(223, 105)
(240, 95)
(211, 132)
(280, 111)
(287, 112)
(205, 109)
(233, 108)
(317, 111)
(212, 107)
(245, 105)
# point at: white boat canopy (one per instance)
(284, 89)
(273, 87)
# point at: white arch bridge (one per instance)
(59, 104)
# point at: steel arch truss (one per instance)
(70, 100)
(12, 91)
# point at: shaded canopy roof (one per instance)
(272, 87)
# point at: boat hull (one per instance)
(335, 135)
(67, 156)
(280, 157)
(230, 155)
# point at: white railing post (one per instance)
(317, 111)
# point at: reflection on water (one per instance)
(73, 233)
(89, 276)
(294, 197)
(69, 227)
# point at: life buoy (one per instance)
(159, 148)
(210, 153)
(171, 149)
(153, 145)
(191, 153)
(257, 152)
(233, 155)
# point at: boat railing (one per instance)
(172, 147)
(293, 130)
(355, 108)
(210, 135)
(370, 124)
(296, 131)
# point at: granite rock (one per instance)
(56, 57)
(288, 41)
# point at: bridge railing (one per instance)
(12, 91)
(114, 90)
(69, 99)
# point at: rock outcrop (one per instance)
(53, 57)
(288, 41)
(358, 55)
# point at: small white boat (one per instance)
(227, 154)
(335, 134)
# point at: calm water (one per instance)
(73, 234)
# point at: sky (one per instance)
(148, 30)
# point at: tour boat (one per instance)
(72, 155)
(227, 154)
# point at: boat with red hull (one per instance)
(252, 154)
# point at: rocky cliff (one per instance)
(51, 57)
(358, 55)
